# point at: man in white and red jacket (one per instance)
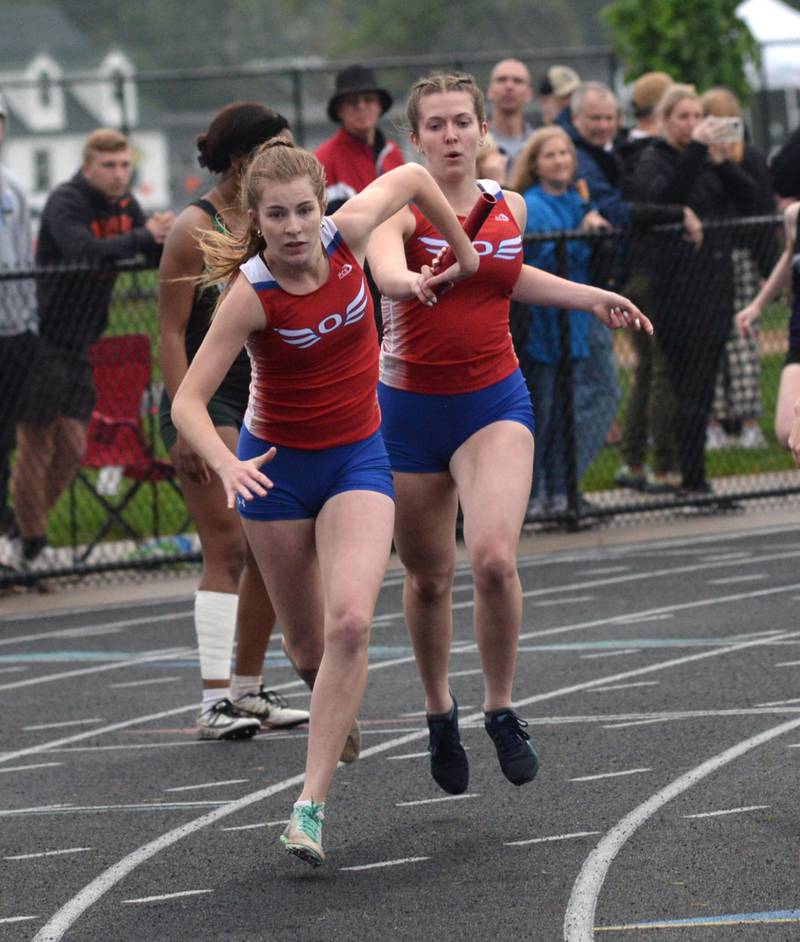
(359, 152)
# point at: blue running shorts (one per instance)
(422, 431)
(304, 479)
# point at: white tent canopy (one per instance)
(775, 25)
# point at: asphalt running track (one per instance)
(660, 683)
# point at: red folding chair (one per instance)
(121, 369)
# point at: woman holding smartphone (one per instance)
(692, 286)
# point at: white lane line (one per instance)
(77, 737)
(716, 814)
(472, 670)
(787, 664)
(25, 768)
(594, 657)
(730, 580)
(434, 801)
(251, 827)
(668, 573)
(409, 755)
(166, 896)
(778, 702)
(638, 683)
(594, 778)
(95, 809)
(74, 908)
(702, 603)
(111, 627)
(604, 571)
(579, 918)
(49, 853)
(94, 719)
(159, 655)
(15, 670)
(555, 837)
(635, 619)
(656, 719)
(387, 863)
(141, 683)
(189, 788)
(9, 919)
(680, 607)
(722, 557)
(571, 601)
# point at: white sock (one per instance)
(215, 624)
(242, 684)
(212, 694)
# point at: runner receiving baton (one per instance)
(320, 525)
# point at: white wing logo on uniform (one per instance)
(306, 337)
(299, 338)
(507, 249)
(355, 309)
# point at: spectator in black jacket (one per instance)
(650, 412)
(692, 287)
(736, 409)
(785, 169)
(90, 219)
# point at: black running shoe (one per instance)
(518, 759)
(449, 766)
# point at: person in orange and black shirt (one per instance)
(90, 219)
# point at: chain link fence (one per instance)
(623, 420)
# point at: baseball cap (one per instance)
(647, 91)
(563, 80)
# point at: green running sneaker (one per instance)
(303, 834)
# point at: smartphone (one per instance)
(727, 130)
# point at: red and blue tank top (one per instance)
(315, 365)
(463, 343)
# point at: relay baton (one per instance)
(472, 224)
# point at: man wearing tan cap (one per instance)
(555, 91)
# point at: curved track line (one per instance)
(580, 914)
(71, 911)
(90, 894)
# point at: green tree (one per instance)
(698, 41)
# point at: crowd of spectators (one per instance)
(684, 160)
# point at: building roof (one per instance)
(30, 28)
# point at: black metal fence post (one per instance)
(565, 387)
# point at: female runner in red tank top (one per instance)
(458, 424)
(320, 526)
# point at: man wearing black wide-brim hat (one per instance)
(358, 152)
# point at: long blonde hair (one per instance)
(276, 161)
(523, 173)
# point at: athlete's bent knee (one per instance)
(348, 632)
